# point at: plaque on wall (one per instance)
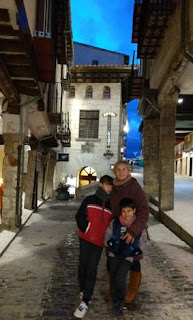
(63, 156)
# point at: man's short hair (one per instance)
(106, 179)
(127, 203)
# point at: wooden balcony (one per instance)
(19, 72)
(150, 20)
(132, 89)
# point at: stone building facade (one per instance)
(96, 114)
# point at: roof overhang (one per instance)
(99, 73)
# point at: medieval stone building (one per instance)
(95, 115)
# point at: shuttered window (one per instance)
(89, 124)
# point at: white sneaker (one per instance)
(81, 310)
(81, 295)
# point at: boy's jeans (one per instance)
(118, 273)
(88, 262)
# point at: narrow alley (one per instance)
(39, 272)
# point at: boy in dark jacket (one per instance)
(92, 218)
(120, 253)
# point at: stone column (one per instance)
(12, 189)
(50, 176)
(166, 151)
(29, 180)
(151, 157)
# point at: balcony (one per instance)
(150, 19)
(132, 86)
(19, 72)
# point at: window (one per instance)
(95, 62)
(89, 124)
(106, 92)
(72, 92)
(89, 92)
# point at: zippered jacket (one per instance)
(117, 245)
(131, 189)
(93, 218)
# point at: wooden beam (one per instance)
(8, 31)
(4, 15)
(28, 91)
(15, 59)
(12, 46)
(20, 71)
(25, 83)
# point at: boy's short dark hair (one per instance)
(127, 202)
(106, 179)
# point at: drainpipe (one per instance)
(184, 22)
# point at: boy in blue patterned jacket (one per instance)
(120, 253)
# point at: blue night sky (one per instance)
(108, 25)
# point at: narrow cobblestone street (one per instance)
(39, 273)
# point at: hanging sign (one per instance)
(63, 156)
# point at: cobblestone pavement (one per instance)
(39, 273)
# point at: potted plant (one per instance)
(62, 191)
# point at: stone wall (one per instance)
(89, 152)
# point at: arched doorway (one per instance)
(87, 175)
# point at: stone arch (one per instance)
(87, 175)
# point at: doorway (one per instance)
(87, 175)
(190, 170)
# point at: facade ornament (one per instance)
(88, 147)
(109, 154)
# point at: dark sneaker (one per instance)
(118, 309)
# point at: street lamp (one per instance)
(126, 128)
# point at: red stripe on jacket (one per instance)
(98, 219)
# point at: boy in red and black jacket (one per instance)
(92, 218)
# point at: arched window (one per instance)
(89, 92)
(106, 92)
(87, 175)
(72, 92)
